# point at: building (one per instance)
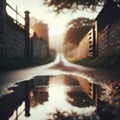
(39, 47)
(108, 29)
(41, 30)
(104, 37)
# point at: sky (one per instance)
(56, 23)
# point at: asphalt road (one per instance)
(59, 66)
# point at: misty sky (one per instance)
(56, 23)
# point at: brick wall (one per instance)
(113, 36)
(109, 38)
(108, 28)
(102, 42)
(15, 40)
(14, 37)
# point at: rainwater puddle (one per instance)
(60, 97)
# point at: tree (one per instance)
(61, 5)
(77, 28)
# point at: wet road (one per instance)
(105, 82)
(59, 66)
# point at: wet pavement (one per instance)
(100, 92)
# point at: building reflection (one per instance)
(39, 90)
(38, 97)
(10, 103)
(35, 92)
(79, 93)
(93, 94)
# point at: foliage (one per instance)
(73, 5)
(77, 28)
(71, 116)
(62, 5)
(68, 47)
(79, 22)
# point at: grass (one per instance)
(110, 61)
(18, 63)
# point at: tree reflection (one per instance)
(71, 116)
(67, 97)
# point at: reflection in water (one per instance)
(10, 103)
(79, 95)
(39, 90)
(62, 97)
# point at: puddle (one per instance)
(61, 97)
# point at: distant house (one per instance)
(39, 47)
(41, 30)
(40, 41)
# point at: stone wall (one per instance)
(108, 29)
(109, 39)
(15, 40)
(14, 37)
(102, 42)
(2, 26)
(113, 36)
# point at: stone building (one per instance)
(108, 29)
(39, 47)
(41, 30)
(40, 41)
(104, 37)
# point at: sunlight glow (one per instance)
(56, 23)
(54, 31)
(56, 100)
